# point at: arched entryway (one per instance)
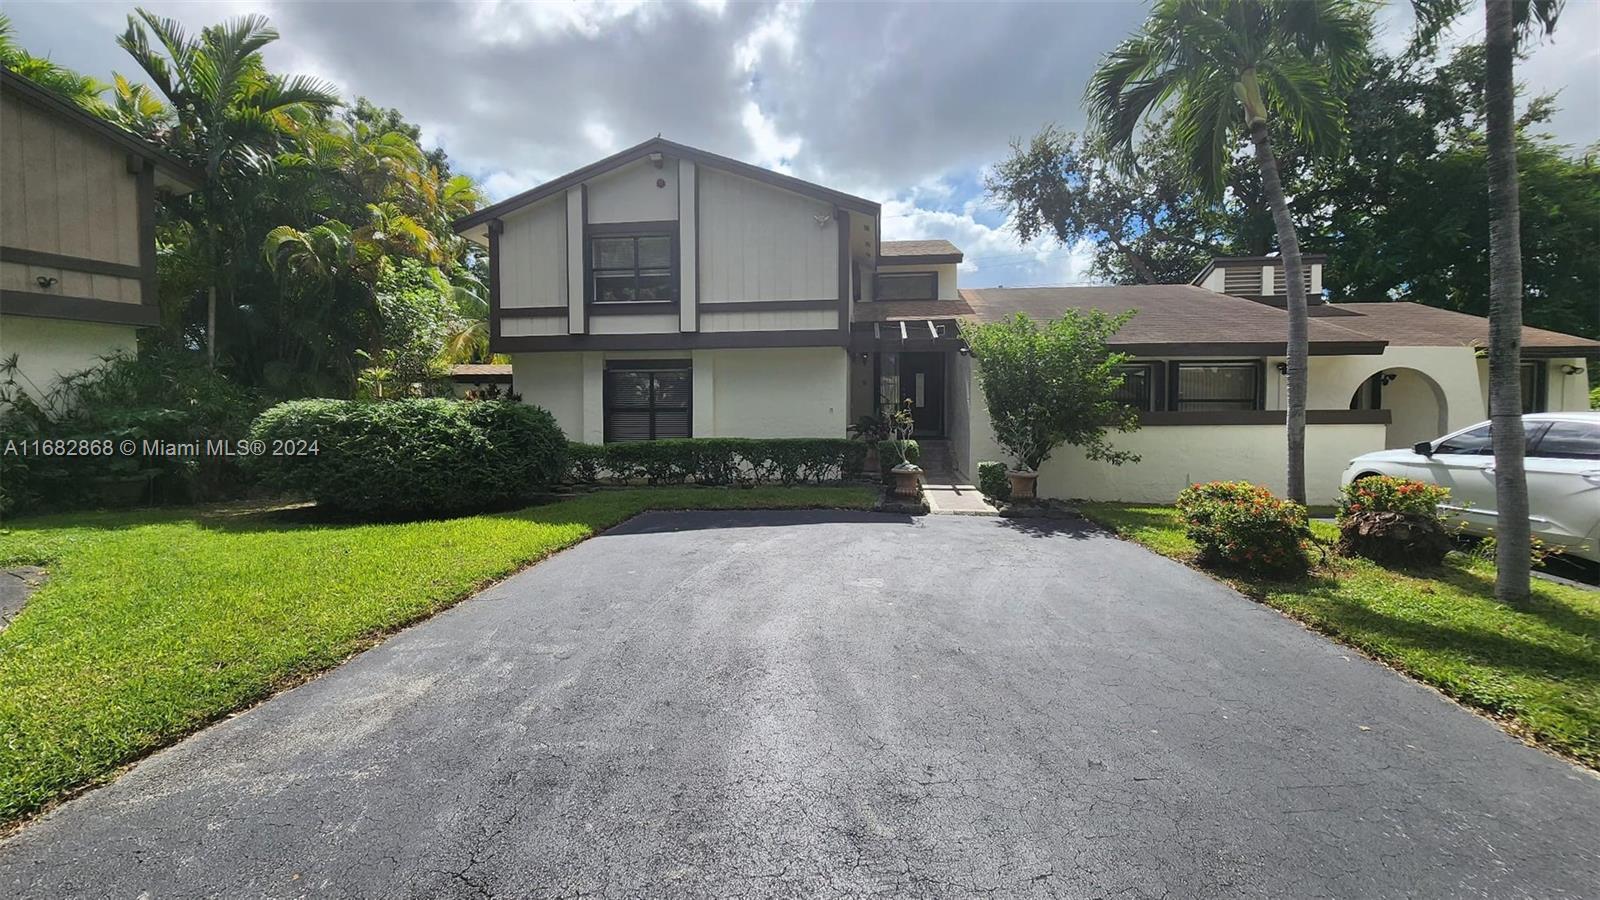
(1418, 411)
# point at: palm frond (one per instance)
(1297, 90)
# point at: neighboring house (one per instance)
(669, 292)
(77, 233)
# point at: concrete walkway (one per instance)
(947, 494)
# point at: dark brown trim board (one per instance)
(841, 223)
(146, 190)
(927, 259)
(676, 151)
(534, 312)
(496, 227)
(80, 309)
(737, 306)
(1246, 348)
(1263, 417)
(26, 257)
(671, 340)
(633, 308)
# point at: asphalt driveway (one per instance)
(835, 704)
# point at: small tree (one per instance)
(1052, 384)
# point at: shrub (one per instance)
(719, 461)
(992, 481)
(405, 457)
(165, 395)
(1053, 383)
(1239, 524)
(1393, 520)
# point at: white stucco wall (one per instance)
(1173, 457)
(49, 348)
(773, 392)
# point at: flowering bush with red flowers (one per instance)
(1393, 520)
(1242, 525)
(1385, 493)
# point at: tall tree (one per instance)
(1503, 20)
(76, 87)
(1285, 60)
(231, 113)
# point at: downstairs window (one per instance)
(648, 401)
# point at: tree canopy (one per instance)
(1376, 208)
(323, 225)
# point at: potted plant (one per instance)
(907, 474)
(1051, 384)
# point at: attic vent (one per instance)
(1242, 280)
(1280, 282)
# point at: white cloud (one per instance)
(771, 149)
(994, 255)
(777, 31)
(601, 137)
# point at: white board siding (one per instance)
(630, 194)
(759, 242)
(533, 257)
(532, 326)
(795, 320)
(653, 323)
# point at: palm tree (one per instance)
(1250, 63)
(232, 115)
(1505, 19)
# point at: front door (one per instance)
(922, 383)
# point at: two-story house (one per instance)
(77, 233)
(669, 292)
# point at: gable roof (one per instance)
(668, 148)
(918, 253)
(180, 176)
(1414, 325)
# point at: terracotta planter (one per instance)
(907, 481)
(1022, 484)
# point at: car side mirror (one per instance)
(1422, 448)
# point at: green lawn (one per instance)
(1537, 671)
(154, 623)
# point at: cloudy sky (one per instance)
(904, 103)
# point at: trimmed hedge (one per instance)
(410, 456)
(719, 460)
(1242, 525)
(992, 481)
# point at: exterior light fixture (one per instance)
(1570, 369)
(1283, 368)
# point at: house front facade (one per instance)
(666, 292)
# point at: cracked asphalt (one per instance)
(829, 704)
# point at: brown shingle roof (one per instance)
(1172, 319)
(1414, 325)
(913, 252)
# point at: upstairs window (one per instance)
(907, 286)
(1219, 385)
(633, 268)
(648, 401)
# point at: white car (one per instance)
(1563, 463)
